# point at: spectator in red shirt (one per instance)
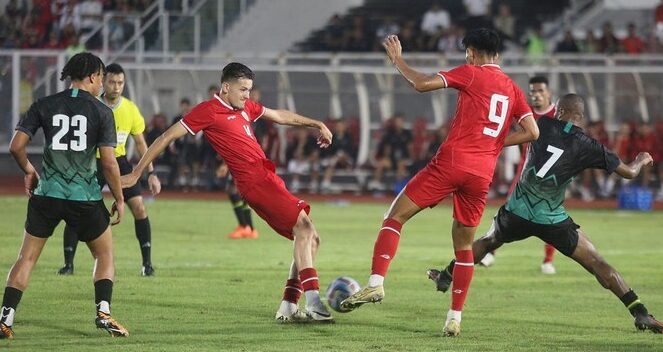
(632, 44)
(645, 140)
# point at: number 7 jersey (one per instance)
(75, 123)
(488, 102)
(560, 154)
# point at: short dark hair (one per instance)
(80, 66)
(539, 79)
(185, 101)
(234, 71)
(114, 68)
(483, 39)
(571, 102)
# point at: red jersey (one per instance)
(229, 132)
(549, 112)
(488, 101)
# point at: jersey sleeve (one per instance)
(254, 109)
(198, 119)
(597, 156)
(520, 108)
(459, 78)
(138, 121)
(30, 122)
(107, 134)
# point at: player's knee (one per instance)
(304, 226)
(139, 210)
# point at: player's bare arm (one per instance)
(420, 81)
(528, 132)
(176, 131)
(633, 169)
(286, 117)
(112, 175)
(17, 148)
(152, 180)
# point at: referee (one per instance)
(128, 122)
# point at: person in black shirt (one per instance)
(341, 154)
(394, 152)
(75, 124)
(536, 207)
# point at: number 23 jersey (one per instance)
(75, 123)
(488, 101)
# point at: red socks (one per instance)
(462, 274)
(386, 246)
(309, 279)
(293, 290)
(550, 253)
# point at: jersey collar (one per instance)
(223, 102)
(491, 65)
(549, 109)
(114, 106)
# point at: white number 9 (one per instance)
(492, 114)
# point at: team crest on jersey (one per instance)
(245, 116)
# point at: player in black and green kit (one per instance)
(536, 207)
(75, 124)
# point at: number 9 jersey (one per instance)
(488, 102)
(75, 123)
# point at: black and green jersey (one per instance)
(561, 152)
(75, 123)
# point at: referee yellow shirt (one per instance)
(128, 121)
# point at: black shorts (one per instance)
(125, 168)
(89, 219)
(510, 228)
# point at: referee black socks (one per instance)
(144, 236)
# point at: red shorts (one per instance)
(273, 202)
(437, 180)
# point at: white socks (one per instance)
(103, 307)
(454, 314)
(7, 316)
(312, 297)
(375, 280)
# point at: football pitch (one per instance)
(215, 294)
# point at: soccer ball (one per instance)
(340, 289)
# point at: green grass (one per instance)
(215, 294)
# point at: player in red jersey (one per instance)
(226, 122)
(488, 101)
(542, 105)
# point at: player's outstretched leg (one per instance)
(306, 241)
(69, 244)
(586, 255)
(104, 272)
(384, 250)
(289, 309)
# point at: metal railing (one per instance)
(343, 85)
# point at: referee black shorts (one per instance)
(125, 168)
(511, 228)
(88, 219)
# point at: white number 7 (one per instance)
(556, 154)
(492, 114)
